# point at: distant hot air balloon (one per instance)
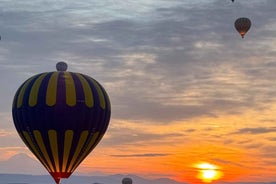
(61, 116)
(126, 181)
(232, 0)
(242, 25)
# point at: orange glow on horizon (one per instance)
(208, 172)
(201, 140)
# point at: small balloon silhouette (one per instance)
(127, 181)
(242, 25)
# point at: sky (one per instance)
(185, 88)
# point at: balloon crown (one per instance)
(61, 66)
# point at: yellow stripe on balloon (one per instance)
(33, 148)
(81, 142)
(54, 147)
(99, 91)
(67, 147)
(22, 92)
(35, 89)
(42, 147)
(88, 148)
(89, 101)
(51, 94)
(70, 89)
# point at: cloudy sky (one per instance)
(185, 88)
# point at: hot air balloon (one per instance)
(126, 181)
(242, 25)
(232, 0)
(61, 116)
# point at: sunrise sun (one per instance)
(208, 172)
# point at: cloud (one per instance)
(10, 139)
(227, 162)
(269, 149)
(272, 138)
(258, 130)
(3, 134)
(177, 51)
(143, 155)
(6, 121)
(122, 137)
(254, 146)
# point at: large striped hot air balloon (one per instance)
(61, 116)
